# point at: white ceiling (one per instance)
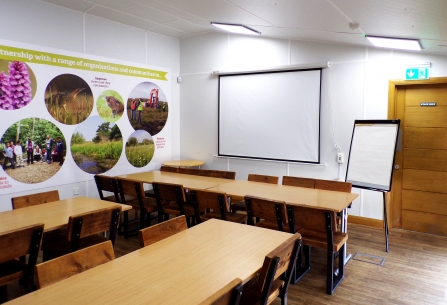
(313, 20)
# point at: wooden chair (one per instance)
(107, 184)
(240, 205)
(230, 294)
(170, 169)
(132, 194)
(298, 181)
(171, 200)
(83, 231)
(162, 230)
(14, 244)
(34, 199)
(317, 230)
(222, 174)
(275, 275)
(271, 212)
(217, 203)
(71, 264)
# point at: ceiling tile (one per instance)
(121, 17)
(136, 9)
(76, 5)
(161, 6)
(167, 31)
(186, 26)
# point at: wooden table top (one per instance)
(53, 214)
(318, 199)
(183, 163)
(188, 181)
(182, 269)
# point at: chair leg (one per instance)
(284, 299)
(301, 270)
(330, 272)
(126, 224)
(3, 294)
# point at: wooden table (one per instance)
(183, 269)
(188, 181)
(53, 214)
(313, 198)
(183, 163)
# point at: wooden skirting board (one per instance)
(370, 222)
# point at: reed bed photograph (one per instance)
(96, 145)
(69, 99)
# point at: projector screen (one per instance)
(271, 115)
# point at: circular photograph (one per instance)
(69, 99)
(33, 150)
(110, 106)
(140, 148)
(17, 84)
(147, 108)
(96, 145)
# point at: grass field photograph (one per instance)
(110, 106)
(96, 145)
(147, 108)
(140, 148)
(69, 99)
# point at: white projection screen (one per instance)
(271, 115)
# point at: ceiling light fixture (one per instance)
(395, 43)
(236, 28)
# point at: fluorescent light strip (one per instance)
(395, 43)
(236, 28)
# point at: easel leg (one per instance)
(385, 218)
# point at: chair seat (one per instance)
(172, 209)
(238, 206)
(62, 248)
(272, 225)
(149, 204)
(233, 217)
(318, 239)
(11, 270)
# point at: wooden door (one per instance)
(419, 196)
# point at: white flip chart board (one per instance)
(371, 157)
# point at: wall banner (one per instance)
(65, 117)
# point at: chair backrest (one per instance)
(34, 199)
(299, 181)
(90, 223)
(263, 178)
(73, 263)
(230, 294)
(216, 201)
(170, 169)
(194, 171)
(20, 242)
(221, 174)
(279, 261)
(331, 185)
(162, 230)
(267, 209)
(169, 192)
(311, 219)
(108, 184)
(129, 189)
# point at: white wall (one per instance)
(355, 87)
(44, 24)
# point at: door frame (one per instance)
(396, 110)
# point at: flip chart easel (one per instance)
(371, 158)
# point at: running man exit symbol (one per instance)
(417, 73)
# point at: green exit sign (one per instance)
(417, 73)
